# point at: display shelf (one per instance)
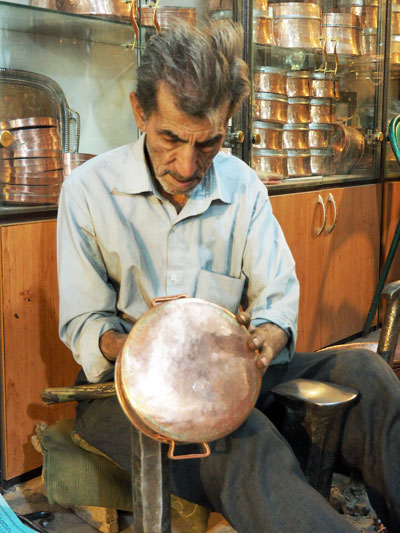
(293, 185)
(27, 19)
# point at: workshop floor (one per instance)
(30, 496)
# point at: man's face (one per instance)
(181, 148)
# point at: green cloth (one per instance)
(76, 473)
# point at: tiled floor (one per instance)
(30, 496)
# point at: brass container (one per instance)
(270, 164)
(322, 110)
(321, 161)
(270, 80)
(299, 163)
(348, 145)
(322, 85)
(298, 83)
(270, 107)
(295, 137)
(270, 135)
(320, 135)
(344, 30)
(262, 28)
(297, 25)
(298, 111)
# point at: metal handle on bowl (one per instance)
(171, 450)
(133, 16)
(321, 202)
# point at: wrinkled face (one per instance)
(180, 147)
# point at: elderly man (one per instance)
(171, 214)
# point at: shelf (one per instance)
(21, 18)
(291, 185)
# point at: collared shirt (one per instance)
(121, 244)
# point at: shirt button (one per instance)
(174, 277)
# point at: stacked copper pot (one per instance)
(31, 164)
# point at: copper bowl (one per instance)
(295, 137)
(270, 107)
(342, 30)
(186, 373)
(269, 79)
(297, 25)
(270, 135)
(322, 110)
(299, 163)
(262, 27)
(322, 85)
(270, 164)
(298, 83)
(298, 111)
(320, 135)
(321, 162)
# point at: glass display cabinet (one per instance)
(319, 75)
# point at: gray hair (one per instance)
(203, 68)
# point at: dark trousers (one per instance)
(252, 476)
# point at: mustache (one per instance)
(179, 177)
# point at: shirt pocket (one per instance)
(220, 289)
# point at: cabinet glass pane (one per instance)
(77, 69)
(317, 90)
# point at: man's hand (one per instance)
(269, 339)
(111, 344)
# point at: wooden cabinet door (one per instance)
(390, 218)
(351, 259)
(300, 216)
(33, 357)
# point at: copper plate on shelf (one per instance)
(40, 178)
(18, 153)
(30, 122)
(32, 164)
(29, 199)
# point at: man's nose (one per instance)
(186, 161)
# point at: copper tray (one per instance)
(186, 373)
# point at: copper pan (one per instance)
(29, 122)
(41, 178)
(23, 152)
(34, 190)
(29, 199)
(186, 373)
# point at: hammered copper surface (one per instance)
(367, 15)
(322, 85)
(270, 135)
(269, 80)
(297, 25)
(295, 137)
(299, 163)
(270, 107)
(298, 111)
(322, 111)
(262, 28)
(298, 83)
(320, 135)
(321, 162)
(343, 31)
(270, 164)
(186, 372)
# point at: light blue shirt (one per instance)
(121, 244)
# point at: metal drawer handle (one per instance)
(321, 202)
(332, 201)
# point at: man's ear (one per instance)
(138, 112)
